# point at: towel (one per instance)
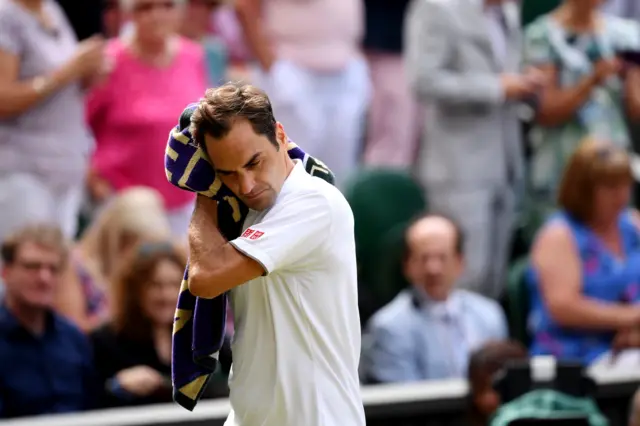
(199, 324)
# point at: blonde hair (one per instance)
(136, 214)
(594, 163)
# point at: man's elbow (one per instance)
(203, 284)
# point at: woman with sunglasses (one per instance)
(585, 261)
(154, 74)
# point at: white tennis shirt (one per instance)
(296, 346)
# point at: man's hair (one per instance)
(44, 235)
(594, 163)
(223, 106)
(459, 233)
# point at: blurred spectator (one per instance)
(585, 259)
(45, 361)
(576, 46)
(196, 26)
(135, 215)
(310, 65)
(84, 16)
(472, 161)
(429, 331)
(155, 75)
(44, 140)
(133, 352)
(392, 127)
(484, 364)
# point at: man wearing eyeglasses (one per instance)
(45, 361)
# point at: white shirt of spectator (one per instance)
(296, 346)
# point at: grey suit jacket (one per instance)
(402, 343)
(472, 136)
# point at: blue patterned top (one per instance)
(605, 277)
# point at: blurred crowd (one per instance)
(486, 147)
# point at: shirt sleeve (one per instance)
(537, 49)
(10, 34)
(291, 231)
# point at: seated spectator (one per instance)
(133, 351)
(429, 330)
(134, 215)
(155, 74)
(483, 366)
(585, 258)
(45, 361)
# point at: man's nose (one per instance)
(247, 183)
(45, 274)
(433, 266)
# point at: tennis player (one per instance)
(292, 272)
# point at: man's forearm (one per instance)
(205, 240)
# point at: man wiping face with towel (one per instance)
(291, 274)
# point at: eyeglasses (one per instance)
(35, 266)
(148, 6)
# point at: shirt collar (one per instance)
(449, 308)
(298, 169)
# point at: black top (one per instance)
(85, 16)
(113, 353)
(384, 25)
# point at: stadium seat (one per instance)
(532, 9)
(381, 200)
(387, 276)
(518, 300)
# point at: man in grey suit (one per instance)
(463, 60)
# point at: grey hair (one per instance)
(127, 5)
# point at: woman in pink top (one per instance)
(155, 74)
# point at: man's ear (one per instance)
(281, 136)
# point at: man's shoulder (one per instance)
(393, 316)
(480, 304)
(320, 192)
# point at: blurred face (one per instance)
(33, 277)
(155, 20)
(249, 164)
(433, 263)
(610, 200)
(160, 295)
(197, 17)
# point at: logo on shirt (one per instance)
(256, 235)
(247, 233)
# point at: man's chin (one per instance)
(258, 204)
